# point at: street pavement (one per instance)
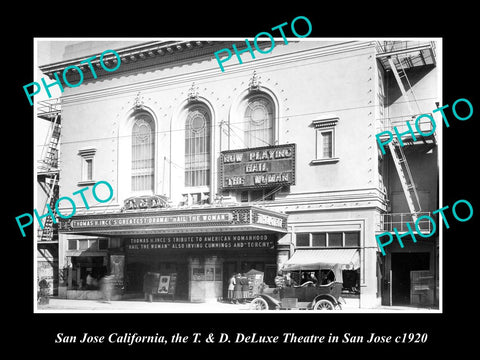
(141, 306)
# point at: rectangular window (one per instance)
(93, 244)
(324, 144)
(352, 239)
(72, 244)
(87, 158)
(335, 239)
(89, 169)
(209, 273)
(325, 141)
(319, 239)
(244, 196)
(327, 145)
(115, 243)
(102, 244)
(303, 239)
(198, 273)
(82, 244)
(329, 239)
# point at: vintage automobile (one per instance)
(314, 286)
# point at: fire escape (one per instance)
(48, 173)
(399, 57)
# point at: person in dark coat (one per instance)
(244, 283)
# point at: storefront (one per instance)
(411, 275)
(193, 251)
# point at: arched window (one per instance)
(197, 146)
(258, 121)
(143, 153)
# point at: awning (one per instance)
(304, 258)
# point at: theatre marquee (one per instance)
(169, 221)
(261, 167)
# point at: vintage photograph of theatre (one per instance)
(259, 187)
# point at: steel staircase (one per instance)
(48, 163)
(396, 150)
(49, 157)
(406, 178)
(396, 56)
(46, 234)
(399, 73)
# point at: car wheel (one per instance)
(258, 304)
(323, 304)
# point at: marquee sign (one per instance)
(257, 167)
(165, 220)
(208, 242)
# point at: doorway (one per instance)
(229, 268)
(181, 291)
(402, 264)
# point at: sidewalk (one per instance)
(142, 306)
(134, 305)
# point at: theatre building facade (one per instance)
(215, 173)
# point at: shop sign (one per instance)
(208, 242)
(258, 167)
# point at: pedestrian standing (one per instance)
(244, 283)
(237, 289)
(89, 281)
(231, 288)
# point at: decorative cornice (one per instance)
(324, 123)
(87, 151)
(131, 54)
(288, 59)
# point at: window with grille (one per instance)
(258, 121)
(143, 153)
(197, 146)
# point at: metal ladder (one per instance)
(50, 158)
(399, 73)
(49, 164)
(396, 150)
(406, 178)
(46, 233)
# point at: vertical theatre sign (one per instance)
(268, 166)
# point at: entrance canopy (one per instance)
(313, 259)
